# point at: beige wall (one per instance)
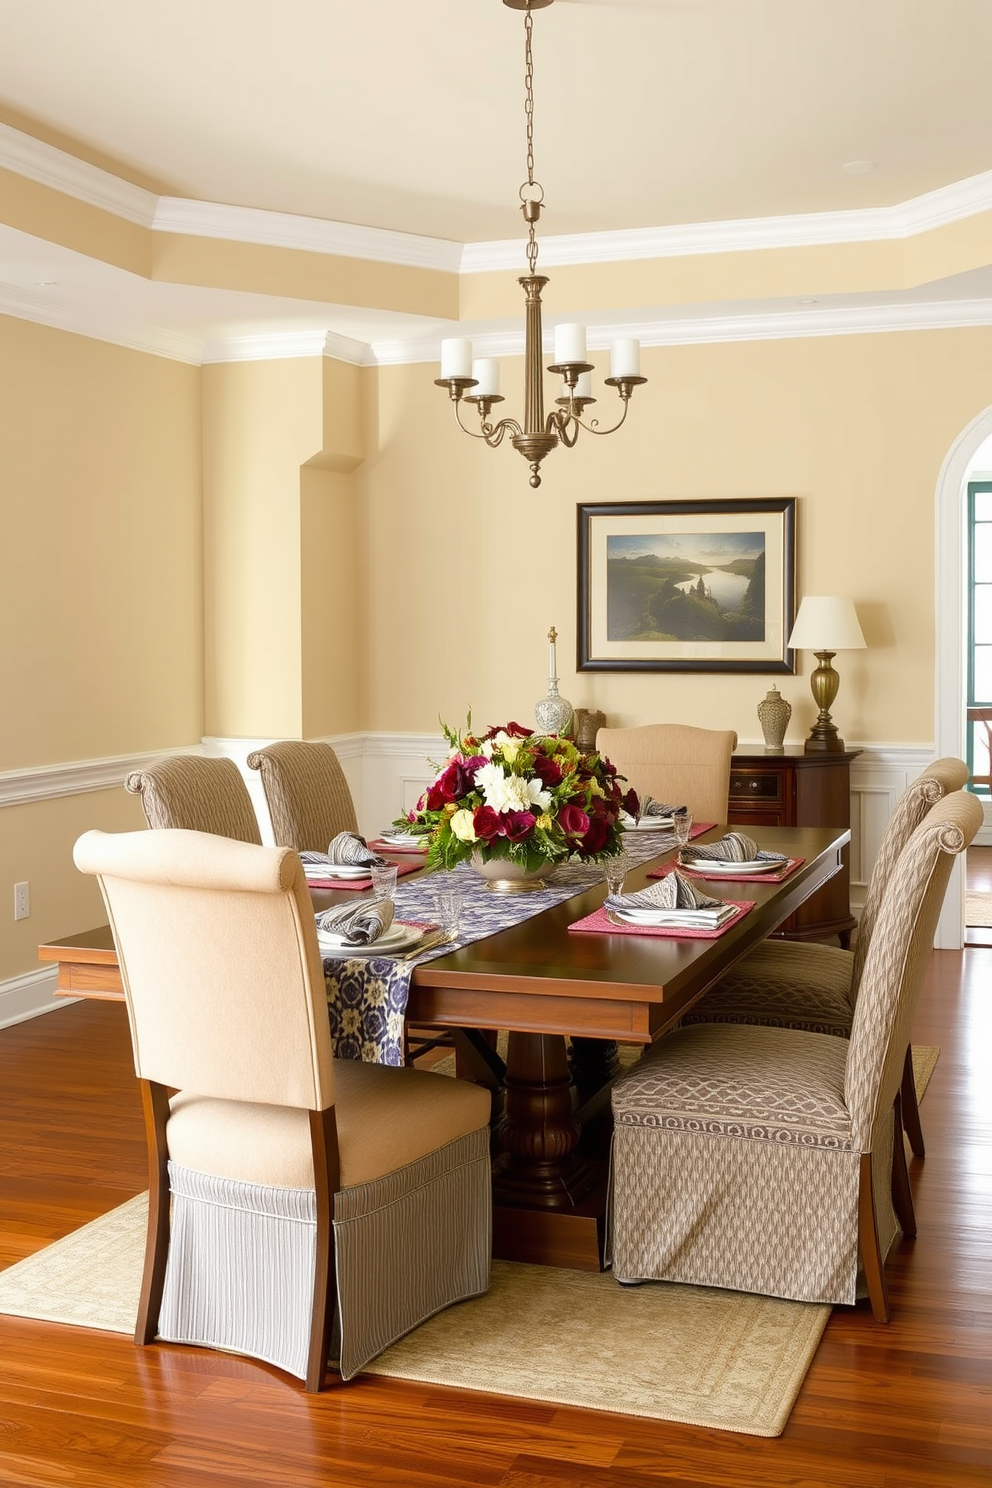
(480, 566)
(280, 547)
(36, 845)
(101, 615)
(101, 640)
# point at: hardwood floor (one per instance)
(903, 1406)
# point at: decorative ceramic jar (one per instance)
(773, 715)
(503, 876)
(586, 725)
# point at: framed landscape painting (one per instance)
(687, 586)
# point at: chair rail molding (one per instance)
(75, 777)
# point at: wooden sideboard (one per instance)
(793, 789)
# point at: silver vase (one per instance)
(553, 714)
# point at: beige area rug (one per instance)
(726, 1360)
(978, 909)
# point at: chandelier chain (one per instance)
(529, 116)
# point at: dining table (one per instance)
(550, 988)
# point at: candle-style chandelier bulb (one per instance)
(478, 382)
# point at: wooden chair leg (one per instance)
(871, 1251)
(911, 1107)
(326, 1168)
(155, 1103)
(902, 1193)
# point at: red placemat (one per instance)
(357, 883)
(598, 924)
(728, 878)
(392, 847)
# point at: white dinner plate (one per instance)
(718, 866)
(648, 823)
(398, 937)
(402, 839)
(670, 919)
(337, 870)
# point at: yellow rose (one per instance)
(463, 826)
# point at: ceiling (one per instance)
(408, 114)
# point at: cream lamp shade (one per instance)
(825, 624)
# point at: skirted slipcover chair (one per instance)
(675, 763)
(306, 792)
(767, 1159)
(197, 794)
(304, 1191)
(791, 984)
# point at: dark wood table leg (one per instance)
(594, 1063)
(549, 1204)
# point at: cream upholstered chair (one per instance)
(303, 1190)
(766, 1159)
(198, 794)
(306, 792)
(791, 984)
(676, 763)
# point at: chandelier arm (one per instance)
(565, 425)
(493, 434)
(592, 427)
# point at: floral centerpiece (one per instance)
(526, 799)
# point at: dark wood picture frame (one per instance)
(754, 639)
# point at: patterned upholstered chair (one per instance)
(676, 763)
(762, 1159)
(304, 1191)
(198, 795)
(789, 984)
(306, 792)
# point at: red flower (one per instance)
(573, 821)
(487, 822)
(548, 771)
(517, 825)
(595, 838)
(631, 802)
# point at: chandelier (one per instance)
(538, 435)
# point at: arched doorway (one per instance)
(970, 451)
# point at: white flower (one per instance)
(463, 826)
(510, 792)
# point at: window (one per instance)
(980, 633)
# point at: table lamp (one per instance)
(825, 625)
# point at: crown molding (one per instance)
(701, 330)
(155, 340)
(28, 157)
(280, 345)
(309, 234)
(919, 214)
(49, 166)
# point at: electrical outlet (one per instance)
(22, 901)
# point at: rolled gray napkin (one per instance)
(734, 848)
(651, 807)
(671, 893)
(358, 924)
(346, 850)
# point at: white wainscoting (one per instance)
(386, 773)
